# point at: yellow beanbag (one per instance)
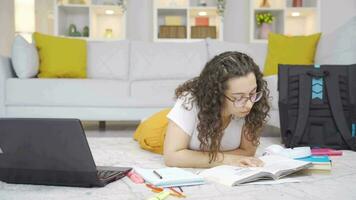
(151, 132)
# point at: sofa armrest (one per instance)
(6, 71)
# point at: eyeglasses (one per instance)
(241, 101)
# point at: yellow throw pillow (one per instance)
(289, 50)
(61, 57)
(151, 132)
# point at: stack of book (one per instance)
(319, 163)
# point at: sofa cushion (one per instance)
(339, 46)
(284, 49)
(93, 93)
(163, 89)
(65, 92)
(108, 59)
(24, 58)
(151, 61)
(61, 57)
(272, 84)
(255, 51)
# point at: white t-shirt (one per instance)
(187, 120)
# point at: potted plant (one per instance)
(264, 20)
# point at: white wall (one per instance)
(140, 20)
(7, 26)
(336, 12)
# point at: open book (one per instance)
(274, 167)
(169, 177)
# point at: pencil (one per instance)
(159, 176)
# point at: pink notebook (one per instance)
(326, 151)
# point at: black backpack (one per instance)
(317, 105)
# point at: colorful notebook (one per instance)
(325, 151)
(169, 177)
(318, 162)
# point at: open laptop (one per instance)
(50, 152)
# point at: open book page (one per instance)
(279, 166)
(229, 175)
(274, 168)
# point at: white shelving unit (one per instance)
(288, 20)
(105, 18)
(187, 11)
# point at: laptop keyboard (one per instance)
(107, 174)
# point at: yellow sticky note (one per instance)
(160, 196)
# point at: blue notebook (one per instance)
(170, 177)
(316, 159)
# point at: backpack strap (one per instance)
(303, 108)
(334, 97)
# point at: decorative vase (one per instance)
(202, 3)
(72, 30)
(297, 3)
(264, 30)
(86, 31)
(265, 4)
(108, 33)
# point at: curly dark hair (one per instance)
(207, 91)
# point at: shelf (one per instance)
(72, 15)
(187, 15)
(288, 20)
(105, 19)
(73, 2)
(172, 3)
(106, 26)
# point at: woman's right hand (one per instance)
(243, 161)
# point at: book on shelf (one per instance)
(178, 32)
(173, 20)
(203, 32)
(169, 177)
(275, 167)
(201, 21)
(318, 162)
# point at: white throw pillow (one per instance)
(272, 85)
(24, 58)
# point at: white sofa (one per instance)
(127, 80)
(130, 80)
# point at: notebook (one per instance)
(169, 177)
(318, 162)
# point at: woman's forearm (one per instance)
(241, 152)
(196, 159)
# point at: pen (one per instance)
(180, 189)
(159, 176)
